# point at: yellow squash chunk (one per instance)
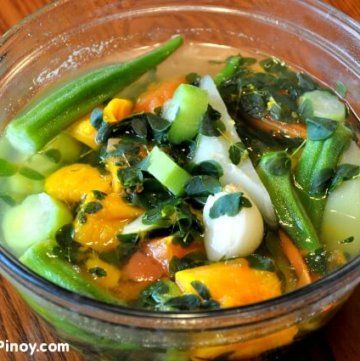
(112, 168)
(117, 109)
(112, 274)
(84, 132)
(98, 233)
(71, 183)
(113, 207)
(231, 283)
(247, 349)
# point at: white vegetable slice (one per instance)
(342, 211)
(217, 148)
(232, 236)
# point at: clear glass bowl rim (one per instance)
(12, 267)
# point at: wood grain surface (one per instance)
(338, 341)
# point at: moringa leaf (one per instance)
(31, 174)
(320, 128)
(321, 182)
(211, 124)
(7, 169)
(236, 152)
(208, 167)
(278, 163)
(343, 173)
(202, 185)
(261, 262)
(229, 204)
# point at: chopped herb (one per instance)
(96, 118)
(279, 164)
(317, 261)
(321, 182)
(229, 204)
(202, 186)
(193, 79)
(236, 152)
(320, 128)
(191, 260)
(31, 173)
(253, 104)
(185, 302)
(273, 65)
(92, 207)
(306, 109)
(97, 272)
(340, 88)
(261, 262)
(211, 124)
(343, 173)
(81, 216)
(347, 240)
(157, 123)
(7, 169)
(130, 177)
(54, 155)
(99, 195)
(66, 248)
(7, 199)
(201, 289)
(210, 167)
(139, 125)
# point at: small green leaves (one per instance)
(31, 174)
(306, 109)
(54, 155)
(340, 88)
(317, 261)
(229, 204)
(273, 65)
(96, 118)
(7, 169)
(261, 262)
(236, 152)
(343, 173)
(321, 182)
(66, 247)
(193, 79)
(277, 163)
(209, 167)
(99, 195)
(185, 302)
(347, 240)
(201, 289)
(7, 199)
(97, 272)
(92, 207)
(320, 128)
(211, 124)
(191, 260)
(130, 177)
(202, 186)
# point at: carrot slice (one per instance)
(157, 94)
(279, 129)
(295, 258)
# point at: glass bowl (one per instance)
(68, 37)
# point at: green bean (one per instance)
(232, 65)
(31, 130)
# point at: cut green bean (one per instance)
(31, 130)
(274, 170)
(232, 65)
(316, 168)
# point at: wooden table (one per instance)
(338, 341)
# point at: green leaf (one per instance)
(253, 104)
(157, 123)
(202, 185)
(340, 88)
(236, 152)
(96, 118)
(321, 182)
(261, 262)
(31, 173)
(92, 207)
(320, 128)
(139, 125)
(209, 167)
(54, 155)
(229, 204)
(97, 272)
(211, 124)
(317, 261)
(99, 195)
(191, 260)
(193, 79)
(343, 173)
(201, 289)
(273, 65)
(347, 240)
(7, 169)
(66, 247)
(186, 302)
(277, 163)
(7, 199)
(130, 177)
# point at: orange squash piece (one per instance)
(231, 283)
(157, 94)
